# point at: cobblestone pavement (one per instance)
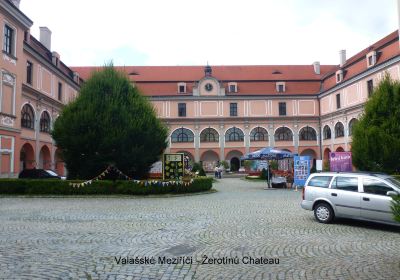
(80, 237)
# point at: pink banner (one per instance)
(340, 161)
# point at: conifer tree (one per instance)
(110, 123)
(376, 137)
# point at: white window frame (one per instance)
(373, 56)
(339, 76)
(232, 84)
(14, 43)
(179, 87)
(278, 84)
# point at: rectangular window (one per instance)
(281, 88)
(233, 109)
(374, 186)
(370, 60)
(370, 87)
(29, 69)
(232, 88)
(320, 181)
(182, 89)
(282, 108)
(346, 184)
(60, 91)
(338, 101)
(182, 109)
(8, 40)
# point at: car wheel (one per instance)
(323, 212)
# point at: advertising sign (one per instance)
(340, 161)
(301, 169)
(173, 167)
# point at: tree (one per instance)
(110, 123)
(376, 137)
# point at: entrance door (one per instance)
(235, 164)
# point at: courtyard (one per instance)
(89, 237)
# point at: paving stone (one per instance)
(79, 237)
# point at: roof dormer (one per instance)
(371, 58)
(182, 87)
(55, 58)
(232, 87)
(280, 86)
(339, 76)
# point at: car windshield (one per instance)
(51, 172)
(394, 181)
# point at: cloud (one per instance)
(177, 32)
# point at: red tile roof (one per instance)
(223, 73)
(253, 80)
(387, 48)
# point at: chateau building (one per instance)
(213, 113)
(219, 113)
(34, 86)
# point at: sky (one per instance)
(217, 32)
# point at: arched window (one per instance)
(283, 134)
(182, 135)
(339, 130)
(209, 135)
(308, 134)
(27, 117)
(327, 132)
(234, 134)
(45, 122)
(351, 126)
(259, 134)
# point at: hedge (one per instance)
(62, 187)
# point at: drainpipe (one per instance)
(320, 129)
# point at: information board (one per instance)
(173, 166)
(301, 169)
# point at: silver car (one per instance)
(364, 196)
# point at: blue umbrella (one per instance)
(269, 153)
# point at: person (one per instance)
(220, 172)
(216, 171)
(269, 177)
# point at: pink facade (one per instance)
(213, 113)
(35, 85)
(242, 105)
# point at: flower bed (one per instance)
(254, 173)
(102, 187)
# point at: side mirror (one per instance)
(392, 193)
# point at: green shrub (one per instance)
(264, 174)
(197, 166)
(274, 165)
(225, 164)
(253, 178)
(62, 187)
(396, 208)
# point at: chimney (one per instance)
(342, 56)
(317, 67)
(16, 3)
(45, 37)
